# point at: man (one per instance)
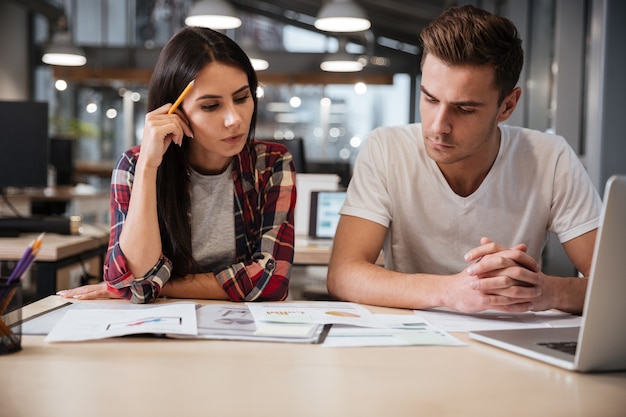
(460, 204)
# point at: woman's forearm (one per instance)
(140, 239)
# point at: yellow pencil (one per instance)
(181, 97)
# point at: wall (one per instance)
(606, 89)
(14, 39)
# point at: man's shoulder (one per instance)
(411, 129)
(528, 133)
(397, 135)
(522, 136)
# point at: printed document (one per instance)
(91, 324)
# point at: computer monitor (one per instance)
(324, 213)
(62, 158)
(23, 144)
(343, 169)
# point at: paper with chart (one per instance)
(100, 323)
(318, 312)
(354, 325)
(401, 330)
(235, 322)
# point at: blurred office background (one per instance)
(572, 80)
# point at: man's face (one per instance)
(460, 112)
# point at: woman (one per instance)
(200, 209)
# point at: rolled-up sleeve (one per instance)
(117, 276)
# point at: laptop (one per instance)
(324, 213)
(599, 344)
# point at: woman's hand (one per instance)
(89, 292)
(160, 131)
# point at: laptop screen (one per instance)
(324, 213)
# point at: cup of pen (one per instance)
(10, 316)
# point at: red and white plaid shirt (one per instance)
(264, 203)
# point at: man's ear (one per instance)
(509, 103)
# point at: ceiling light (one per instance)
(341, 62)
(342, 16)
(259, 64)
(61, 51)
(214, 14)
(256, 57)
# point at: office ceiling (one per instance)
(391, 44)
(394, 35)
(399, 20)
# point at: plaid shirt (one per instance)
(264, 202)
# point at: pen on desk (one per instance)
(181, 97)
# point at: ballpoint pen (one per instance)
(181, 97)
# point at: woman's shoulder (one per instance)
(262, 147)
(131, 153)
(268, 153)
(128, 158)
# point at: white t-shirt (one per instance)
(536, 185)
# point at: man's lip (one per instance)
(439, 145)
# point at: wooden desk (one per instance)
(316, 252)
(58, 251)
(145, 376)
(310, 252)
(86, 201)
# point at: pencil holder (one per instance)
(10, 317)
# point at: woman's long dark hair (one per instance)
(180, 61)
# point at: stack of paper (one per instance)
(334, 324)
(354, 325)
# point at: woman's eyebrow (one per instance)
(209, 96)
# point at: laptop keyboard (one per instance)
(566, 347)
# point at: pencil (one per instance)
(22, 261)
(27, 259)
(181, 97)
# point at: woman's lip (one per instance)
(233, 138)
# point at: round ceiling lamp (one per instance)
(342, 16)
(341, 62)
(61, 51)
(214, 14)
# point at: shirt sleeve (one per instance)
(117, 276)
(263, 273)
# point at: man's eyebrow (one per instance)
(209, 96)
(467, 103)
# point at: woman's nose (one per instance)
(231, 118)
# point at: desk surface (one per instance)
(311, 252)
(55, 246)
(316, 251)
(58, 193)
(146, 376)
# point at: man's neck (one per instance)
(465, 177)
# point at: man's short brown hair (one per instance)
(467, 35)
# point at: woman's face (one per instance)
(219, 108)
